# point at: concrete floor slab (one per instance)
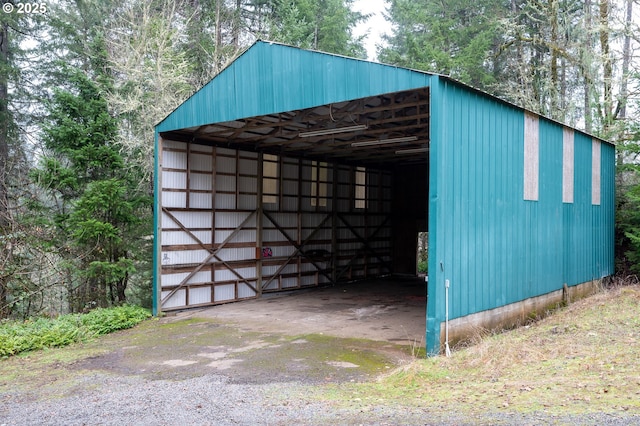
(391, 309)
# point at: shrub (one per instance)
(39, 333)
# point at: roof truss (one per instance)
(387, 116)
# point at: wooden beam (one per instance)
(209, 257)
(298, 247)
(365, 243)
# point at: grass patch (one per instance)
(39, 333)
(583, 359)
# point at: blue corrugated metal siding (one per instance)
(546, 244)
(475, 141)
(589, 251)
(480, 171)
(270, 78)
(495, 247)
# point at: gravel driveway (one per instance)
(203, 372)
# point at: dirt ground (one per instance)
(391, 310)
(317, 357)
(254, 362)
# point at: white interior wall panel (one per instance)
(189, 219)
(225, 183)
(200, 181)
(199, 295)
(200, 201)
(248, 184)
(269, 270)
(224, 293)
(247, 202)
(209, 192)
(177, 300)
(274, 235)
(183, 257)
(307, 280)
(168, 145)
(290, 188)
(283, 251)
(310, 267)
(289, 203)
(180, 238)
(290, 282)
(175, 160)
(225, 201)
(200, 162)
(272, 286)
(174, 199)
(246, 292)
(248, 166)
(200, 277)
(174, 180)
(232, 220)
(234, 254)
(290, 169)
(222, 275)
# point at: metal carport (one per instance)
(294, 168)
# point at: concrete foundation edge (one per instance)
(469, 327)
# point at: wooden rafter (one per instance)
(387, 115)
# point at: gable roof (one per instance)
(271, 77)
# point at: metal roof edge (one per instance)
(509, 103)
(267, 42)
(443, 77)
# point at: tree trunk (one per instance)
(553, 89)
(607, 69)
(588, 115)
(4, 157)
(626, 60)
(621, 109)
(237, 24)
(4, 123)
(218, 28)
(121, 287)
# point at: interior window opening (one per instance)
(319, 183)
(269, 178)
(360, 195)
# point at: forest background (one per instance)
(83, 82)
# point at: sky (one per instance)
(376, 24)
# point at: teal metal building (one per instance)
(296, 168)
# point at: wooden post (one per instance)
(259, 225)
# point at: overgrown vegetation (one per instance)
(38, 333)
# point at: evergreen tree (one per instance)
(457, 38)
(16, 110)
(95, 203)
(325, 25)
